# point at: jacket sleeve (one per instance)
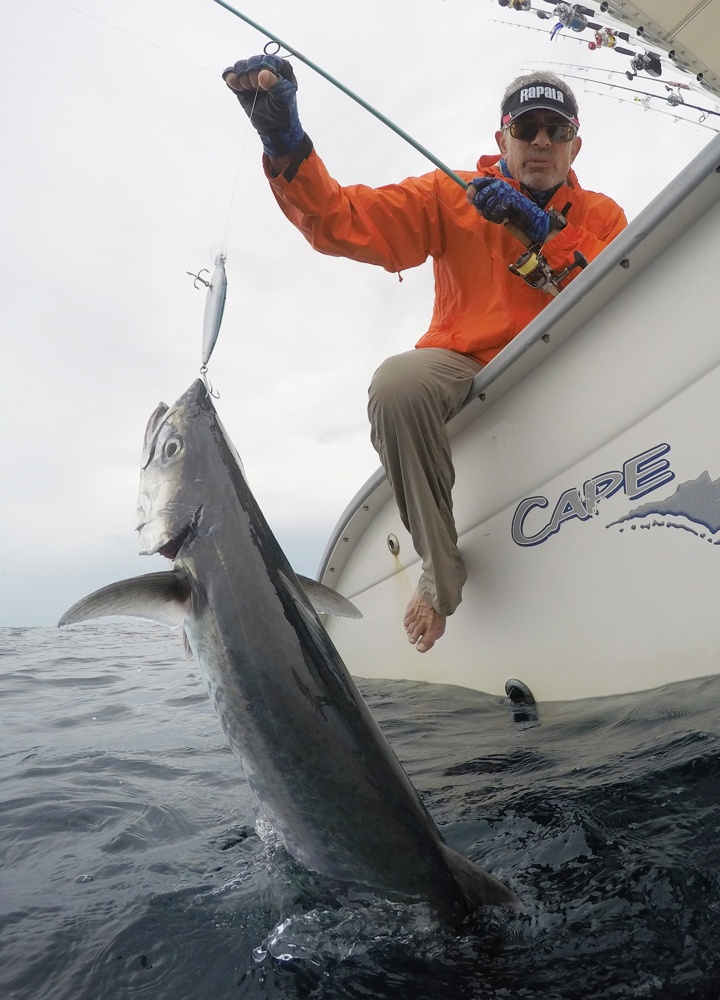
(396, 227)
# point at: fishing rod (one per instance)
(674, 100)
(540, 31)
(657, 111)
(605, 38)
(669, 85)
(531, 266)
(346, 90)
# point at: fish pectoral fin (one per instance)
(158, 597)
(327, 601)
(477, 886)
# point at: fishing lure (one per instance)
(214, 307)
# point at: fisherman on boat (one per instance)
(525, 196)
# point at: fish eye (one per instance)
(173, 447)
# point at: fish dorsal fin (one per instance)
(158, 597)
(327, 601)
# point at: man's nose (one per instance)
(542, 138)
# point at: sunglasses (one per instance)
(556, 132)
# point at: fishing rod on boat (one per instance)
(531, 266)
(674, 98)
(670, 85)
(575, 18)
(572, 16)
(657, 111)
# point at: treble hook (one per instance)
(207, 383)
(198, 278)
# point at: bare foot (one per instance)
(423, 624)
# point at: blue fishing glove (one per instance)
(498, 201)
(273, 112)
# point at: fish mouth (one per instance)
(168, 547)
(170, 550)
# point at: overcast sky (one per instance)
(124, 159)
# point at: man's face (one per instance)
(539, 164)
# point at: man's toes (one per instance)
(410, 620)
(423, 624)
(431, 634)
(414, 631)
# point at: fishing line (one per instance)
(346, 90)
(139, 38)
(170, 52)
(237, 172)
(395, 128)
(216, 286)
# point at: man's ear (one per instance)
(500, 140)
(576, 144)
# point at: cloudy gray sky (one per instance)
(125, 159)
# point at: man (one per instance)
(528, 195)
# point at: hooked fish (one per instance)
(323, 772)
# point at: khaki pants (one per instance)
(412, 395)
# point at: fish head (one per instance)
(173, 473)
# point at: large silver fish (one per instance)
(324, 774)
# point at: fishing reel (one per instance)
(605, 38)
(571, 16)
(648, 62)
(532, 267)
(535, 271)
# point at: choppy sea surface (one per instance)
(132, 863)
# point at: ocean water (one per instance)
(133, 865)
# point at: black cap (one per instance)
(534, 96)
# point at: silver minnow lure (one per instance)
(214, 306)
(321, 768)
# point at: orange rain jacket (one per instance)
(479, 304)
